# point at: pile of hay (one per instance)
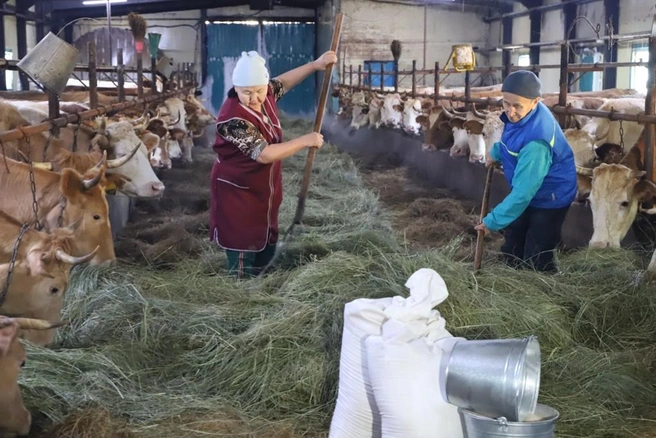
(187, 351)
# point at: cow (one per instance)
(360, 117)
(413, 108)
(118, 139)
(616, 195)
(437, 132)
(15, 419)
(607, 131)
(121, 139)
(68, 195)
(175, 109)
(374, 118)
(391, 114)
(484, 130)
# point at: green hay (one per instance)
(188, 351)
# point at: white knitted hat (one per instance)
(250, 71)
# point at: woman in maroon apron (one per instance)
(247, 176)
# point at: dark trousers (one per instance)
(248, 264)
(533, 237)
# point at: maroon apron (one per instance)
(246, 195)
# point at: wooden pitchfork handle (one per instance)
(318, 121)
(478, 255)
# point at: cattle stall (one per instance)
(439, 169)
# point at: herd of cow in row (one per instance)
(54, 213)
(608, 154)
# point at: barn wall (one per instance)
(11, 43)
(367, 36)
(636, 16)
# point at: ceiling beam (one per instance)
(544, 8)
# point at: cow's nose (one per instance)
(599, 244)
(157, 187)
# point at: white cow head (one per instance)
(121, 138)
(412, 109)
(616, 195)
(392, 112)
(374, 115)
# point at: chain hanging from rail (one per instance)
(622, 137)
(12, 262)
(35, 204)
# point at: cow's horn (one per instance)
(202, 132)
(171, 124)
(585, 171)
(117, 162)
(477, 113)
(62, 256)
(447, 113)
(38, 324)
(102, 161)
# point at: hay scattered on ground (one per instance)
(187, 351)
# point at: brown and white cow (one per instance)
(81, 196)
(15, 419)
(438, 134)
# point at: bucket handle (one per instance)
(503, 423)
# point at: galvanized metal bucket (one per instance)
(495, 378)
(50, 63)
(165, 66)
(542, 424)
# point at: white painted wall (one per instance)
(370, 27)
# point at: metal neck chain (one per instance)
(45, 149)
(35, 204)
(622, 137)
(62, 207)
(5, 289)
(77, 128)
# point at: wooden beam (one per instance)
(612, 14)
(3, 76)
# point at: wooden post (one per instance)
(153, 75)
(369, 74)
(179, 77)
(414, 77)
(396, 76)
(382, 76)
(351, 75)
(53, 109)
(93, 78)
(360, 76)
(650, 102)
(437, 83)
(562, 97)
(139, 75)
(467, 90)
(121, 75)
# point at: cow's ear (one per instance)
(177, 134)
(151, 141)
(8, 331)
(644, 190)
(35, 263)
(422, 120)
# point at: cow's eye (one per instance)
(624, 204)
(96, 217)
(22, 364)
(54, 290)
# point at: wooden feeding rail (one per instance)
(63, 120)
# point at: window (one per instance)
(9, 75)
(524, 60)
(639, 75)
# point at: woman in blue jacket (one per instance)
(539, 166)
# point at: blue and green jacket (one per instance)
(538, 165)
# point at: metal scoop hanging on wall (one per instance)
(50, 63)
